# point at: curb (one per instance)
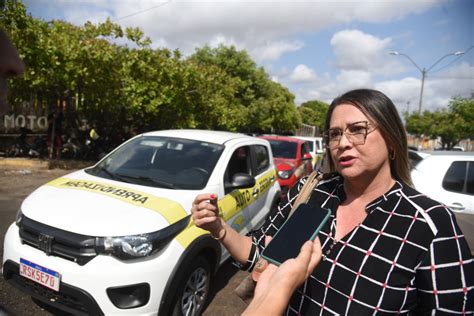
(42, 164)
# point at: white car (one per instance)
(316, 147)
(448, 177)
(116, 238)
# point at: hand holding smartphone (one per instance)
(303, 225)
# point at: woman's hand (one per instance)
(276, 284)
(205, 214)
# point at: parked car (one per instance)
(454, 148)
(316, 147)
(292, 159)
(448, 177)
(415, 156)
(116, 238)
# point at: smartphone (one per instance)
(303, 225)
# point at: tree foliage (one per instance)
(314, 113)
(113, 76)
(451, 125)
(259, 104)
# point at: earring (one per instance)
(392, 154)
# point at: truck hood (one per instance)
(89, 205)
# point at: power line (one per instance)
(449, 77)
(424, 71)
(454, 60)
(142, 11)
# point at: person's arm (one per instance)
(206, 216)
(243, 249)
(276, 285)
(445, 278)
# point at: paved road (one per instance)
(16, 185)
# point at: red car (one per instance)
(292, 159)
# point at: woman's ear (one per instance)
(391, 154)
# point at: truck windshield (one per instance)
(164, 162)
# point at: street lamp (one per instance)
(424, 71)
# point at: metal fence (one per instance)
(308, 130)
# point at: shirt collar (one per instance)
(385, 199)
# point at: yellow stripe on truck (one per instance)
(235, 201)
(170, 210)
(229, 206)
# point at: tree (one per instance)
(85, 69)
(463, 110)
(451, 125)
(275, 113)
(314, 113)
(68, 64)
(258, 103)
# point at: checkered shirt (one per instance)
(407, 257)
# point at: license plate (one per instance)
(39, 274)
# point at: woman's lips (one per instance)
(346, 161)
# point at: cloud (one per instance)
(359, 51)
(220, 39)
(274, 50)
(360, 59)
(270, 30)
(354, 79)
(438, 90)
(262, 27)
(455, 81)
(404, 93)
(302, 73)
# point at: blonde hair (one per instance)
(381, 111)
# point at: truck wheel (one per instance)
(193, 289)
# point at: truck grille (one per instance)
(57, 242)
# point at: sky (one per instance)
(317, 49)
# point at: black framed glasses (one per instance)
(355, 132)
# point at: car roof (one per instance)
(419, 154)
(217, 137)
(282, 138)
(308, 138)
(453, 153)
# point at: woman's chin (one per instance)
(350, 173)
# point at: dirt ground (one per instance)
(16, 183)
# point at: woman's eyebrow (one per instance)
(349, 123)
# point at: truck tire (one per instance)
(193, 289)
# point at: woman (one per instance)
(386, 248)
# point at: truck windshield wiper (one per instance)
(156, 182)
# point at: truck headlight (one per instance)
(285, 174)
(138, 246)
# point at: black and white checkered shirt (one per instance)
(407, 257)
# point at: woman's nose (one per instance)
(344, 141)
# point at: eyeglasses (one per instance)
(356, 133)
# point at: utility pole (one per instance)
(424, 71)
